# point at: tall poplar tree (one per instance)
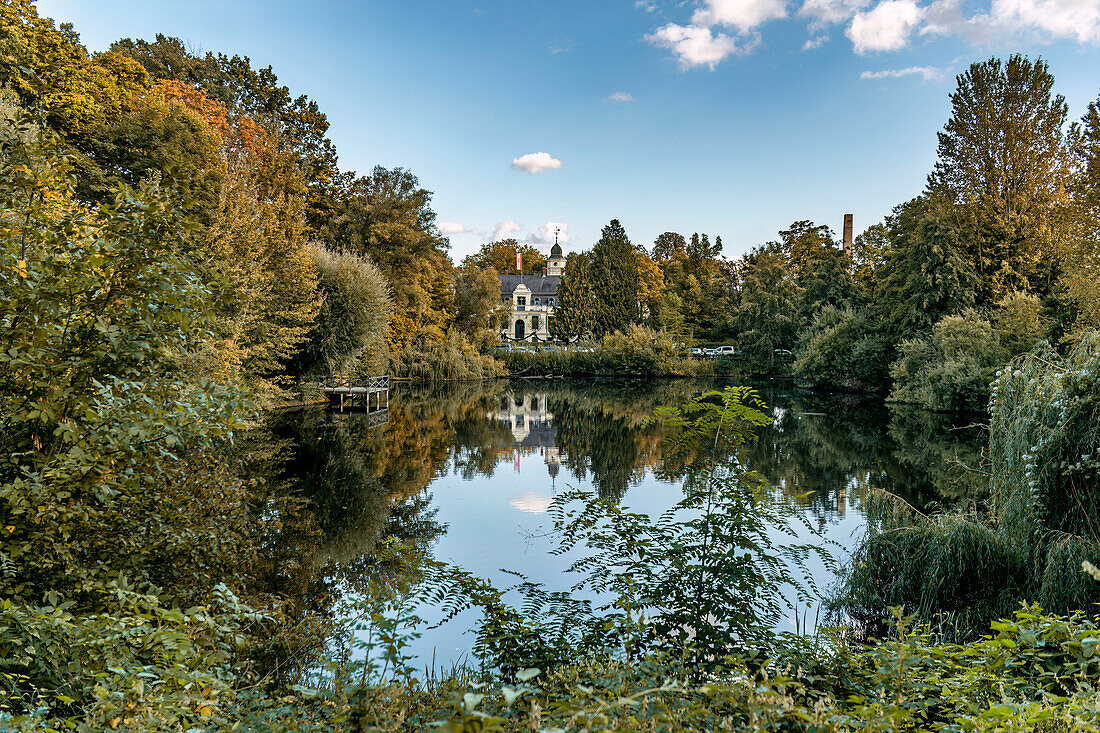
(1003, 162)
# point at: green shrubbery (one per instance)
(1030, 539)
(452, 358)
(636, 352)
(841, 349)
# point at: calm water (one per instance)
(466, 474)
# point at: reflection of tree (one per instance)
(834, 448)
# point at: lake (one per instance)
(465, 474)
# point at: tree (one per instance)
(255, 93)
(575, 311)
(501, 256)
(768, 317)
(927, 274)
(351, 327)
(614, 271)
(105, 330)
(667, 246)
(387, 216)
(478, 309)
(840, 348)
(1002, 169)
(650, 288)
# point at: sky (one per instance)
(730, 117)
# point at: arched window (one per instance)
(550, 302)
(520, 327)
(537, 302)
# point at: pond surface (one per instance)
(465, 474)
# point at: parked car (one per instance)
(725, 351)
(697, 351)
(783, 352)
(711, 353)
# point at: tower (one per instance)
(555, 264)
(848, 233)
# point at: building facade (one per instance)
(532, 299)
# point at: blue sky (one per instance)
(732, 117)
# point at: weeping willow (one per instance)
(970, 566)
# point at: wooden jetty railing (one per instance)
(347, 387)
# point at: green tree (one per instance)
(478, 308)
(104, 325)
(351, 327)
(387, 216)
(768, 317)
(614, 269)
(501, 256)
(1002, 170)
(667, 246)
(841, 349)
(575, 311)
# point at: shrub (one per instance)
(841, 349)
(952, 368)
(452, 358)
(350, 328)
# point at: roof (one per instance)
(541, 285)
(555, 251)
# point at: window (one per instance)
(521, 302)
(536, 302)
(550, 302)
(534, 323)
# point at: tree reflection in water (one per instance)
(366, 485)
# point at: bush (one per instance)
(350, 328)
(452, 358)
(637, 352)
(841, 349)
(952, 368)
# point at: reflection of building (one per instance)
(532, 426)
(532, 298)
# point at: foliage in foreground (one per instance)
(1029, 540)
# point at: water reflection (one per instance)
(466, 473)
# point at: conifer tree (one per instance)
(574, 312)
(615, 281)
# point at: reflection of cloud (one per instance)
(531, 502)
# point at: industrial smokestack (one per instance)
(848, 233)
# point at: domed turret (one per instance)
(555, 251)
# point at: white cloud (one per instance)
(813, 43)
(884, 28)
(621, 97)
(503, 229)
(823, 13)
(696, 46)
(535, 162)
(545, 233)
(531, 502)
(451, 227)
(1013, 20)
(647, 5)
(744, 15)
(928, 73)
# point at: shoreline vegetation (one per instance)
(178, 245)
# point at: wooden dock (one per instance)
(373, 393)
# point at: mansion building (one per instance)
(532, 298)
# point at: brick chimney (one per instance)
(848, 233)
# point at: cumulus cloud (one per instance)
(928, 73)
(451, 227)
(545, 233)
(621, 97)
(1007, 20)
(816, 42)
(823, 13)
(695, 45)
(503, 229)
(536, 162)
(886, 27)
(745, 15)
